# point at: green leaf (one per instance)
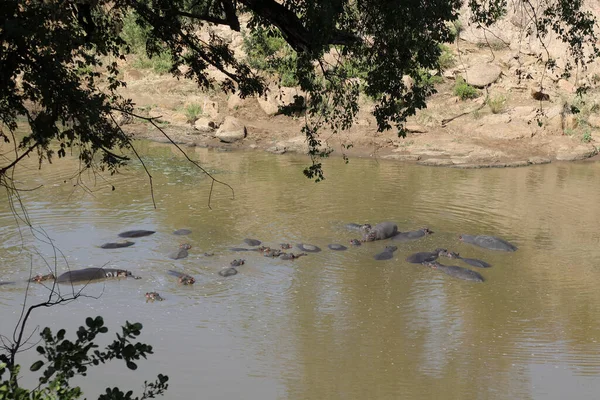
(36, 365)
(131, 365)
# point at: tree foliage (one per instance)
(64, 359)
(51, 52)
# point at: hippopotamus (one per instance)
(7, 283)
(488, 242)
(412, 235)
(457, 272)
(182, 232)
(153, 296)
(228, 272)
(184, 278)
(117, 245)
(180, 253)
(136, 233)
(387, 253)
(381, 231)
(285, 246)
(237, 263)
(471, 261)
(272, 253)
(337, 247)
(90, 274)
(425, 256)
(308, 248)
(290, 256)
(252, 242)
(41, 278)
(355, 242)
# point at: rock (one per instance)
(413, 128)
(231, 130)
(277, 149)
(482, 75)
(594, 120)
(297, 145)
(210, 108)
(538, 160)
(268, 104)
(566, 86)
(580, 152)
(402, 157)
(438, 162)
(205, 125)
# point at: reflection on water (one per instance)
(332, 324)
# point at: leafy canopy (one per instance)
(50, 50)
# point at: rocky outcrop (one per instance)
(231, 130)
(482, 75)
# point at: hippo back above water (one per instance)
(92, 274)
(381, 231)
(488, 242)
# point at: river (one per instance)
(331, 324)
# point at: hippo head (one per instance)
(440, 251)
(449, 254)
(123, 274)
(366, 228)
(185, 246)
(355, 242)
(391, 248)
(427, 231)
(370, 237)
(41, 278)
(186, 280)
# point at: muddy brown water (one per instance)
(331, 324)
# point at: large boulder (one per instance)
(231, 130)
(482, 75)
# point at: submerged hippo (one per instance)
(153, 296)
(337, 247)
(285, 246)
(183, 278)
(117, 245)
(136, 233)
(381, 231)
(90, 274)
(290, 256)
(488, 242)
(252, 242)
(387, 253)
(240, 249)
(471, 261)
(181, 232)
(228, 272)
(7, 283)
(237, 263)
(180, 253)
(457, 272)
(424, 256)
(355, 242)
(412, 235)
(308, 248)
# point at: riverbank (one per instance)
(520, 113)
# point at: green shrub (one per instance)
(446, 59)
(463, 90)
(268, 51)
(136, 37)
(192, 112)
(587, 137)
(497, 103)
